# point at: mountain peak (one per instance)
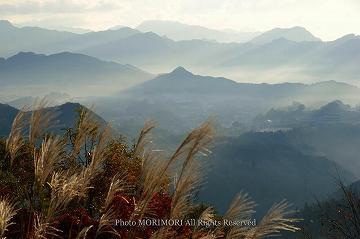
(180, 69)
(347, 38)
(296, 34)
(336, 105)
(24, 56)
(181, 72)
(5, 23)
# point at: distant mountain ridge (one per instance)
(27, 38)
(183, 81)
(180, 31)
(53, 99)
(296, 34)
(335, 112)
(284, 55)
(270, 169)
(66, 71)
(52, 41)
(66, 117)
(188, 99)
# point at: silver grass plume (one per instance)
(51, 152)
(39, 120)
(277, 219)
(15, 141)
(190, 175)
(241, 208)
(7, 212)
(118, 184)
(195, 142)
(83, 233)
(65, 188)
(143, 138)
(43, 229)
(87, 125)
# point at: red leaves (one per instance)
(72, 222)
(123, 206)
(160, 204)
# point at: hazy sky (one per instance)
(327, 19)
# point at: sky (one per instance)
(327, 19)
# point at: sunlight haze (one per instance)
(327, 19)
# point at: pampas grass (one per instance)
(143, 138)
(15, 141)
(118, 184)
(51, 153)
(83, 233)
(86, 126)
(193, 144)
(61, 180)
(43, 229)
(65, 188)
(242, 207)
(7, 212)
(39, 120)
(276, 220)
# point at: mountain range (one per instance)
(76, 74)
(332, 130)
(279, 55)
(298, 115)
(53, 99)
(183, 82)
(179, 31)
(66, 116)
(296, 34)
(180, 100)
(269, 168)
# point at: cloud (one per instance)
(54, 6)
(328, 19)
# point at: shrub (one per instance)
(78, 184)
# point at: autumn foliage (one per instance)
(75, 185)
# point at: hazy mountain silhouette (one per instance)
(53, 99)
(7, 115)
(68, 72)
(332, 130)
(179, 31)
(92, 39)
(143, 48)
(296, 34)
(297, 115)
(66, 116)
(303, 61)
(270, 169)
(15, 39)
(291, 55)
(52, 41)
(181, 81)
(180, 100)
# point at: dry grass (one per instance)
(39, 120)
(7, 212)
(118, 184)
(15, 141)
(66, 184)
(83, 233)
(241, 208)
(65, 188)
(276, 220)
(51, 153)
(43, 229)
(86, 126)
